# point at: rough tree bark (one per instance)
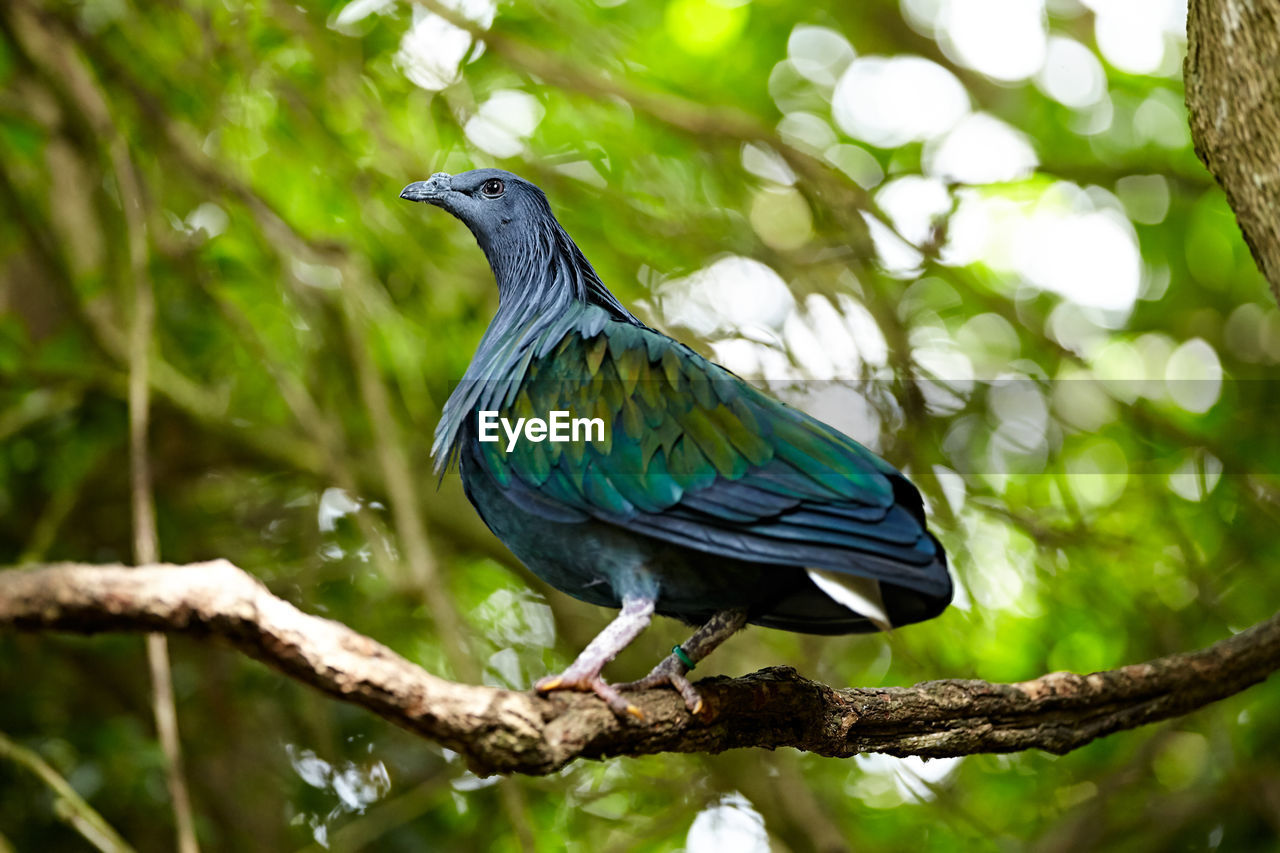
(1233, 95)
(504, 731)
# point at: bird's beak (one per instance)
(430, 191)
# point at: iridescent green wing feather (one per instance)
(694, 455)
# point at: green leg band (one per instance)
(682, 657)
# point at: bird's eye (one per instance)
(492, 188)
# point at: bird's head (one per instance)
(488, 201)
(532, 257)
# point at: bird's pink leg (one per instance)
(584, 673)
(672, 670)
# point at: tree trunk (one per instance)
(1233, 95)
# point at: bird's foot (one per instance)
(670, 672)
(583, 674)
(590, 682)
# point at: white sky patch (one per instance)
(517, 618)
(890, 101)
(810, 352)
(358, 10)
(732, 295)
(1092, 258)
(883, 781)
(897, 257)
(1072, 75)
(981, 149)
(504, 122)
(334, 504)
(840, 405)
(913, 204)
(827, 341)
(924, 16)
(824, 341)
(356, 787)
(209, 218)
(1193, 376)
(766, 163)
(503, 670)
(1006, 39)
(807, 130)
(1007, 579)
(1140, 36)
(1196, 476)
(831, 330)
(947, 376)
(1021, 411)
(432, 49)
(819, 54)
(755, 360)
(730, 824)
(858, 163)
(1070, 241)
(1003, 39)
(872, 346)
(973, 231)
(953, 487)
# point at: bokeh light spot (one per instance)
(1072, 74)
(819, 54)
(704, 27)
(895, 100)
(1003, 39)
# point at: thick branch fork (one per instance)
(504, 731)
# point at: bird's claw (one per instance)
(591, 684)
(670, 672)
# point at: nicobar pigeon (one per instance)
(703, 499)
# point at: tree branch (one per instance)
(504, 731)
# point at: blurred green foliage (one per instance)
(270, 141)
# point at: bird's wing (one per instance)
(693, 455)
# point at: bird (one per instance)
(699, 496)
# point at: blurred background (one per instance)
(971, 233)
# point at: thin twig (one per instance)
(79, 87)
(69, 805)
(406, 508)
(396, 474)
